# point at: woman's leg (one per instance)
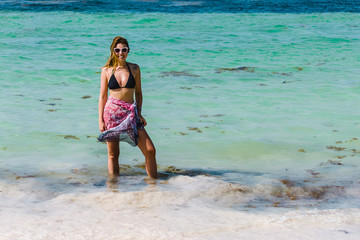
(113, 157)
(148, 149)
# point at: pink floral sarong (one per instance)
(122, 122)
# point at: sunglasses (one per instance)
(124, 50)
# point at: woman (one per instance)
(120, 116)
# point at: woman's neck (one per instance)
(121, 65)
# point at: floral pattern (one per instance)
(122, 122)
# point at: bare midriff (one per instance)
(125, 94)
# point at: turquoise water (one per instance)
(251, 99)
(299, 90)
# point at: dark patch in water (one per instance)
(286, 82)
(26, 176)
(61, 84)
(196, 129)
(297, 190)
(335, 148)
(245, 69)
(78, 170)
(75, 184)
(331, 162)
(52, 110)
(283, 74)
(313, 173)
(86, 97)
(187, 172)
(100, 184)
(215, 115)
(352, 140)
(68, 137)
(186, 88)
(287, 182)
(142, 166)
(355, 151)
(178, 74)
(87, 136)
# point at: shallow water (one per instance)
(254, 117)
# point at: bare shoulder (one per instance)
(106, 71)
(134, 67)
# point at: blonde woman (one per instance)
(120, 116)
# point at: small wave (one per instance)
(177, 186)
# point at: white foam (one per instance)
(181, 208)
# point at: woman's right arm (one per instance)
(103, 98)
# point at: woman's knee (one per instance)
(113, 155)
(113, 152)
(151, 151)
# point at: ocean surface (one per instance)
(253, 107)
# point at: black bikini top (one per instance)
(114, 84)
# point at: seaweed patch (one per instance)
(172, 169)
(335, 148)
(331, 162)
(287, 182)
(286, 82)
(283, 74)
(178, 74)
(142, 166)
(245, 69)
(26, 176)
(194, 129)
(355, 151)
(87, 136)
(186, 88)
(313, 173)
(68, 137)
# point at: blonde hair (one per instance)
(113, 60)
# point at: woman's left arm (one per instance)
(138, 93)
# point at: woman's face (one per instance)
(121, 51)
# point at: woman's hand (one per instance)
(142, 120)
(102, 126)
